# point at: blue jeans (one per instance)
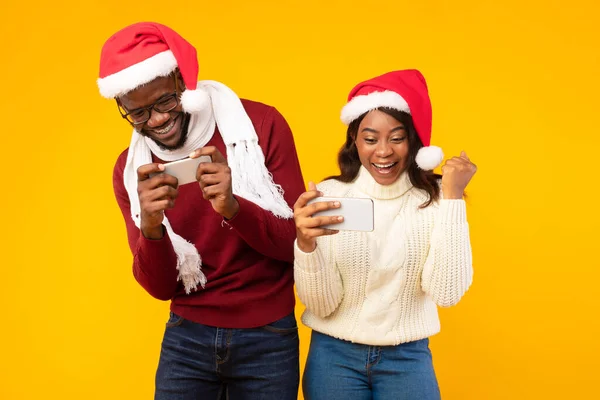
(203, 362)
(341, 370)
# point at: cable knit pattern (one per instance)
(383, 287)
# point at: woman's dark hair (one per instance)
(349, 162)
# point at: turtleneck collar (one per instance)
(365, 183)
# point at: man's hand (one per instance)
(156, 194)
(456, 175)
(215, 181)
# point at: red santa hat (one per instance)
(144, 51)
(404, 90)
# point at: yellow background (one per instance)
(514, 83)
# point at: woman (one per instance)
(371, 297)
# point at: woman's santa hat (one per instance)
(404, 90)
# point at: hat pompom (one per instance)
(194, 100)
(428, 158)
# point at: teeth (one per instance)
(384, 165)
(166, 129)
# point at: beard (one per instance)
(184, 134)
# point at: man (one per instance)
(220, 249)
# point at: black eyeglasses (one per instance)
(141, 115)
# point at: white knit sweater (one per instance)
(382, 287)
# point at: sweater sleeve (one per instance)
(154, 261)
(318, 281)
(264, 232)
(448, 269)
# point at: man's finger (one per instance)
(160, 206)
(211, 151)
(163, 192)
(213, 190)
(144, 171)
(162, 179)
(206, 168)
(209, 180)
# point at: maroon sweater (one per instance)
(248, 261)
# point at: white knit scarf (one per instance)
(249, 175)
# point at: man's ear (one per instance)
(179, 78)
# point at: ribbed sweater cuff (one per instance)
(453, 211)
(308, 262)
(155, 249)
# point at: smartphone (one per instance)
(357, 212)
(185, 170)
